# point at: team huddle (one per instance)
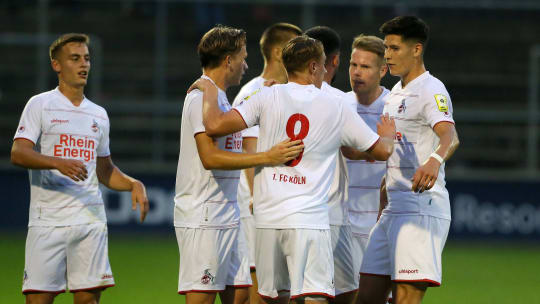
(298, 192)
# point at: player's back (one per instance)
(296, 195)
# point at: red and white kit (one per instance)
(413, 224)
(247, 222)
(60, 129)
(206, 211)
(294, 197)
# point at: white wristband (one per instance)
(437, 157)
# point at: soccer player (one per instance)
(405, 246)
(272, 41)
(293, 247)
(67, 231)
(213, 254)
(346, 267)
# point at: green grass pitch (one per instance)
(145, 269)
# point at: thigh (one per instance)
(204, 258)
(419, 240)
(345, 269)
(88, 265)
(310, 262)
(45, 260)
(272, 273)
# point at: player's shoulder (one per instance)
(96, 109)
(434, 89)
(248, 89)
(43, 98)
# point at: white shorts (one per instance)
(359, 246)
(247, 226)
(346, 265)
(295, 260)
(212, 259)
(76, 255)
(408, 248)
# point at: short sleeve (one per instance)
(437, 105)
(103, 146)
(251, 107)
(30, 122)
(194, 111)
(356, 133)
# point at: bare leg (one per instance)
(373, 289)
(254, 297)
(232, 295)
(344, 298)
(200, 297)
(302, 300)
(409, 293)
(87, 297)
(40, 298)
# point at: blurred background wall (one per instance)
(486, 52)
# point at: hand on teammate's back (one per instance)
(201, 84)
(386, 127)
(270, 82)
(284, 151)
(72, 168)
(138, 196)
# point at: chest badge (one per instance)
(95, 126)
(402, 107)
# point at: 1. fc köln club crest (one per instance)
(207, 278)
(402, 107)
(95, 126)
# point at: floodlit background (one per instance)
(486, 52)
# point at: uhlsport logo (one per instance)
(95, 126)
(408, 271)
(106, 276)
(207, 277)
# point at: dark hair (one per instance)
(329, 38)
(371, 44)
(218, 43)
(277, 35)
(408, 27)
(57, 45)
(299, 51)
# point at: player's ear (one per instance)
(383, 70)
(335, 60)
(55, 64)
(276, 53)
(418, 48)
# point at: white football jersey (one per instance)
(365, 176)
(337, 198)
(296, 195)
(204, 198)
(244, 195)
(60, 129)
(417, 108)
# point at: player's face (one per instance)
(399, 55)
(365, 71)
(238, 66)
(319, 71)
(73, 64)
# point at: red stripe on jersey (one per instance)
(74, 134)
(241, 117)
(75, 111)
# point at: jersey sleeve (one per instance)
(251, 108)
(194, 112)
(249, 132)
(30, 122)
(356, 133)
(437, 105)
(103, 146)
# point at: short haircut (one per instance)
(57, 45)
(218, 43)
(409, 28)
(371, 44)
(329, 38)
(298, 52)
(277, 35)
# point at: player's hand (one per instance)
(72, 168)
(386, 127)
(270, 82)
(201, 84)
(284, 151)
(424, 178)
(251, 206)
(138, 196)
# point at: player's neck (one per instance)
(274, 70)
(74, 94)
(413, 73)
(370, 97)
(329, 76)
(301, 78)
(218, 76)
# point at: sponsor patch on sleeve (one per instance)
(250, 95)
(442, 102)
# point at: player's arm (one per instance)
(249, 145)
(214, 158)
(384, 147)
(216, 122)
(24, 155)
(425, 176)
(383, 197)
(355, 154)
(109, 175)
